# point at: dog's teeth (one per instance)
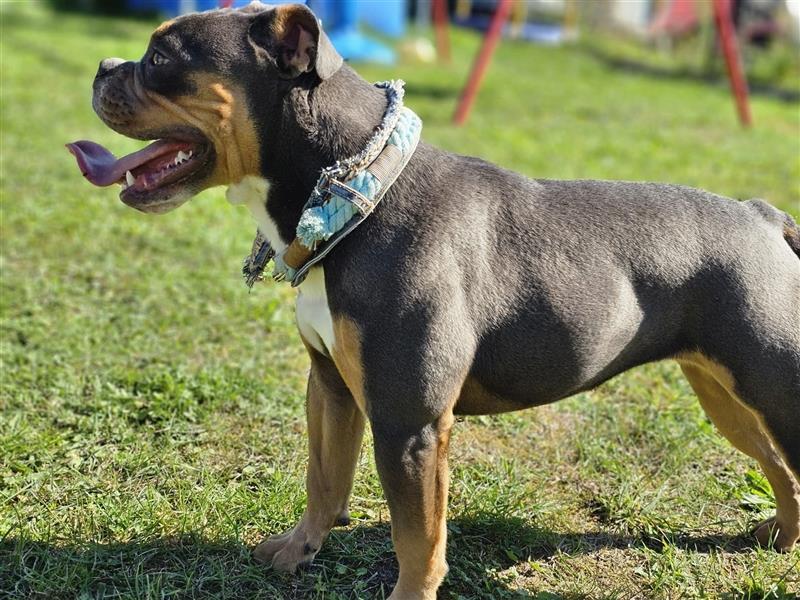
(189, 155)
(182, 156)
(129, 178)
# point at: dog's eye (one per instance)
(158, 58)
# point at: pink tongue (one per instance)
(102, 168)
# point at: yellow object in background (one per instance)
(419, 50)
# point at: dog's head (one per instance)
(194, 92)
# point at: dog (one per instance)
(469, 289)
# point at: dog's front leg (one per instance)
(335, 429)
(412, 464)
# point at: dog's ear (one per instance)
(292, 38)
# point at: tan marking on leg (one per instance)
(477, 400)
(346, 354)
(335, 430)
(419, 517)
(415, 478)
(417, 492)
(745, 429)
(336, 427)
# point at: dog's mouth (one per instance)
(151, 178)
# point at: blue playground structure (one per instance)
(341, 19)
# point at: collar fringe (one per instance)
(344, 195)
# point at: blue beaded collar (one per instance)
(344, 196)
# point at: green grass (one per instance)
(151, 410)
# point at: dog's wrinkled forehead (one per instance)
(286, 37)
(203, 39)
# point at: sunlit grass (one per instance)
(151, 410)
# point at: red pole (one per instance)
(730, 48)
(482, 61)
(440, 25)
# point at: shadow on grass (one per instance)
(627, 65)
(103, 7)
(432, 90)
(356, 562)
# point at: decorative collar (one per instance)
(346, 193)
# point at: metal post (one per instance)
(733, 62)
(482, 61)
(440, 25)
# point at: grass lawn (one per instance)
(151, 410)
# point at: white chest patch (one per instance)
(311, 307)
(312, 312)
(252, 193)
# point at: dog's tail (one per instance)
(791, 232)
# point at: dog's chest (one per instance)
(311, 307)
(312, 312)
(252, 193)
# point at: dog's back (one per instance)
(580, 280)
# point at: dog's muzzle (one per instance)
(106, 66)
(158, 177)
(111, 99)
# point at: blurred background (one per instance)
(151, 409)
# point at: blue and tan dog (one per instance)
(469, 289)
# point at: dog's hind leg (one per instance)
(335, 430)
(747, 431)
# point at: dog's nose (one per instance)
(107, 65)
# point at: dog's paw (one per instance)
(771, 534)
(288, 551)
(343, 520)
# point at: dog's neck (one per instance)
(316, 127)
